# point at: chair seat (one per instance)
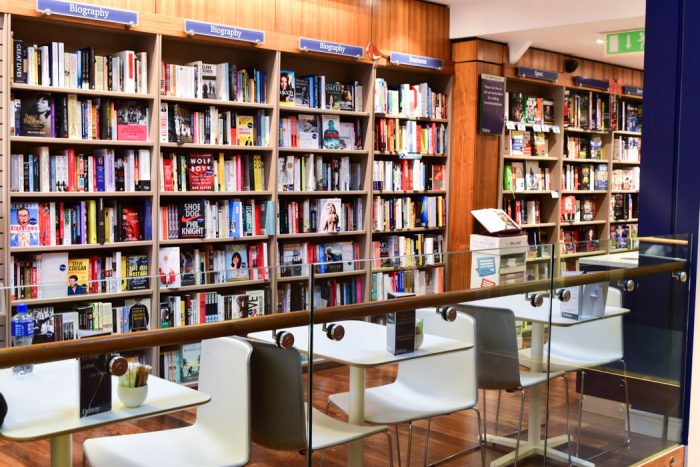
(179, 447)
(327, 431)
(559, 361)
(395, 403)
(529, 379)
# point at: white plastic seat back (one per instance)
(452, 375)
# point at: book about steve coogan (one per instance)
(24, 224)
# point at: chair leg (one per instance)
(84, 459)
(483, 398)
(463, 452)
(391, 447)
(427, 440)
(328, 406)
(482, 439)
(398, 445)
(520, 426)
(410, 441)
(568, 419)
(498, 412)
(580, 414)
(627, 401)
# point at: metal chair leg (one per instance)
(627, 401)
(580, 414)
(398, 445)
(328, 406)
(410, 442)
(498, 413)
(568, 419)
(391, 448)
(520, 426)
(427, 440)
(483, 398)
(482, 439)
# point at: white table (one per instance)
(364, 346)
(45, 405)
(539, 316)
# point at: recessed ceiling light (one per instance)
(599, 41)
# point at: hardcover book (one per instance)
(182, 122)
(301, 93)
(287, 86)
(333, 95)
(95, 386)
(131, 225)
(347, 135)
(132, 121)
(308, 131)
(331, 133)
(245, 130)
(587, 209)
(256, 302)
(191, 217)
(330, 215)
(169, 267)
(237, 266)
(347, 92)
(54, 274)
(200, 174)
(292, 259)
(36, 115)
(208, 81)
(44, 325)
(187, 270)
(139, 314)
(78, 276)
(24, 225)
(191, 354)
(333, 253)
(137, 272)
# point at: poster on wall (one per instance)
(491, 104)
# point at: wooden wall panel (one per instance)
(346, 21)
(411, 26)
(256, 14)
(142, 6)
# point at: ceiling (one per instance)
(566, 26)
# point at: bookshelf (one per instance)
(596, 150)
(167, 149)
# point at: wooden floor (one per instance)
(449, 434)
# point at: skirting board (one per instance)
(645, 423)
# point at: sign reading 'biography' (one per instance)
(224, 32)
(333, 48)
(87, 11)
(491, 104)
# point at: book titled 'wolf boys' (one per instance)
(191, 216)
(200, 174)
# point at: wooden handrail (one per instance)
(40, 353)
(663, 240)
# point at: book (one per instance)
(187, 268)
(333, 89)
(36, 116)
(495, 220)
(182, 124)
(132, 121)
(95, 385)
(44, 329)
(245, 130)
(588, 209)
(169, 267)
(347, 99)
(329, 210)
(191, 219)
(24, 225)
(301, 93)
(237, 266)
(256, 303)
(139, 314)
(347, 135)
(131, 225)
(189, 369)
(78, 276)
(287, 87)
(200, 174)
(53, 275)
(308, 131)
(137, 272)
(291, 260)
(532, 176)
(331, 135)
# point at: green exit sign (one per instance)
(624, 42)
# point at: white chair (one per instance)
(221, 434)
(279, 414)
(587, 345)
(426, 387)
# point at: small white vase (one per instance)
(132, 397)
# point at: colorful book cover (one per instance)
(169, 267)
(182, 121)
(287, 86)
(291, 259)
(307, 126)
(78, 276)
(208, 81)
(333, 253)
(245, 130)
(237, 266)
(24, 225)
(191, 216)
(239, 306)
(347, 135)
(333, 95)
(187, 268)
(301, 92)
(189, 368)
(137, 272)
(200, 174)
(131, 224)
(331, 131)
(329, 210)
(347, 96)
(36, 115)
(139, 312)
(44, 330)
(132, 121)
(256, 302)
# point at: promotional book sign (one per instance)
(224, 32)
(491, 104)
(86, 11)
(95, 388)
(401, 328)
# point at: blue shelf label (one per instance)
(399, 58)
(223, 32)
(537, 74)
(633, 91)
(87, 11)
(333, 48)
(592, 83)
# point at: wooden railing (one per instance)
(40, 353)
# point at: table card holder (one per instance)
(401, 328)
(586, 302)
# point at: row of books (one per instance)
(625, 116)
(210, 172)
(222, 81)
(212, 264)
(314, 91)
(407, 175)
(407, 250)
(624, 206)
(627, 148)
(625, 179)
(523, 212)
(329, 215)
(211, 307)
(418, 100)
(579, 240)
(104, 170)
(311, 172)
(51, 65)
(77, 117)
(88, 222)
(408, 212)
(90, 319)
(523, 108)
(209, 125)
(226, 218)
(327, 292)
(181, 365)
(51, 275)
(577, 209)
(320, 132)
(586, 110)
(528, 143)
(526, 176)
(537, 270)
(296, 258)
(418, 281)
(585, 177)
(623, 236)
(583, 147)
(396, 136)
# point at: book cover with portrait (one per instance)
(132, 121)
(36, 115)
(169, 267)
(24, 224)
(237, 266)
(287, 85)
(330, 210)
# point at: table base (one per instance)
(527, 449)
(62, 451)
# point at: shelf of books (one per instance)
(5, 46)
(570, 168)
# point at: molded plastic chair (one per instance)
(279, 417)
(427, 387)
(221, 434)
(587, 345)
(498, 362)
